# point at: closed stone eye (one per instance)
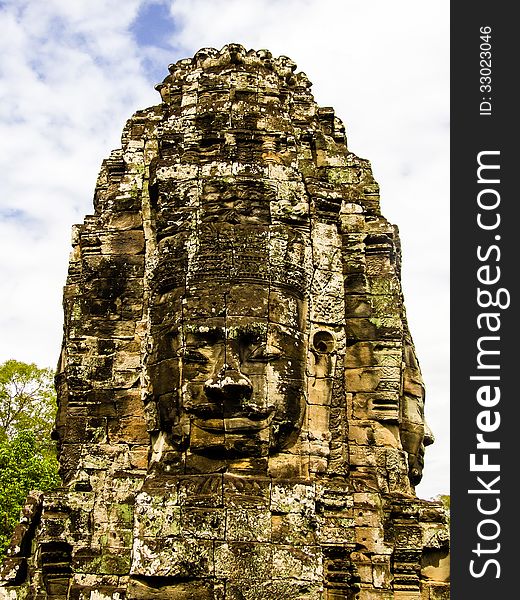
(264, 353)
(190, 355)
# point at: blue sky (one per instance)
(153, 27)
(72, 73)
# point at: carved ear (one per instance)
(323, 342)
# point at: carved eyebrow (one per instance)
(247, 335)
(253, 332)
(208, 334)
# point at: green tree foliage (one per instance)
(27, 400)
(23, 467)
(27, 454)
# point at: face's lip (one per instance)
(233, 424)
(420, 455)
(228, 410)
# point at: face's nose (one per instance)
(229, 384)
(429, 438)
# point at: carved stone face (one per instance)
(415, 436)
(415, 433)
(230, 385)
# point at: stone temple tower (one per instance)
(240, 404)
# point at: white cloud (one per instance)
(72, 73)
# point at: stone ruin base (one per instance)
(226, 537)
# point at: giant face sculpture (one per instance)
(415, 433)
(248, 213)
(231, 385)
(227, 365)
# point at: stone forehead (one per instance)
(224, 254)
(227, 300)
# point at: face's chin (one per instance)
(416, 467)
(415, 434)
(242, 430)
